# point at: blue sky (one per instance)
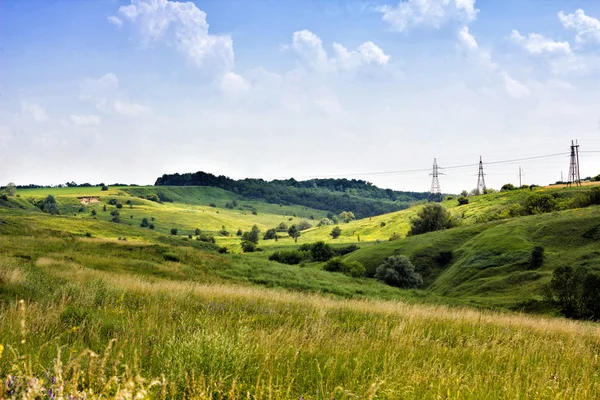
(128, 90)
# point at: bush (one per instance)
(248, 247)
(94, 212)
(576, 292)
(594, 195)
(239, 232)
(254, 212)
(336, 232)
(151, 226)
(321, 251)
(432, 217)
(537, 257)
(398, 271)
(251, 236)
(270, 234)
(197, 232)
(394, 236)
(206, 238)
(3, 196)
(355, 269)
(112, 202)
(223, 250)
(325, 222)
(508, 186)
(104, 188)
(50, 206)
(342, 251)
(463, 201)
(294, 233)
(212, 205)
(304, 225)
(382, 224)
(174, 231)
(347, 216)
(334, 265)
(282, 227)
(171, 257)
(291, 257)
(352, 268)
(538, 203)
(119, 205)
(144, 223)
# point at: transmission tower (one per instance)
(435, 194)
(481, 179)
(574, 165)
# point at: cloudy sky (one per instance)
(124, 91)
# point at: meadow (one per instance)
(91, 308)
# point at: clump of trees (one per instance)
(576, 291)
(432, 217)
(294, 233)
(250, 240)
(347, 216)
(400, 272)
(116, 216)
(317, 252)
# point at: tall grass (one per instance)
(121, 335)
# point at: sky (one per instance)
(125, 91)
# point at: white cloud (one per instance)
(34, 111)
(514, 88)
(430, 13)
(587, 28)
(367, 53)
(116, 21)
(181, 25)
(234, 85)
(310, 47)
(85, 120)
(467, 39)
(538, 44)
(130, 109)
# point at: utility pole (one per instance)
(520, 184)
(435, 194)
(561, 177)
(574, 177)
(481, 179)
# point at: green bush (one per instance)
(144, 223)
(203, 237)
(463, 201)
(291, 257)
(248, 247)
(151, 226)
(270, 234)
(508, 186)
(537, 257)
(336, 232)
(321, 251)
(576, 291)
(334, 265)
(304, 225)
(50, 206)
(174, 231)
(342, 251)
(400, 272)
(432, 217)
(539, 203)
(352, 268)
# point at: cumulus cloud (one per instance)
(586, 27)
(35, 111)
(85, 120)
(116, 21)
(310, 48)
(181, 25)
(429, 13)
(538, 44)
(234, 85)
(104, 93)
(514, 88)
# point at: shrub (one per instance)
(398, 271)
(347, 216)
(206, 238)
(212, 205)
(254, 212)
(355, 269)
(576, 292)
(382, 224)
(248, 247)
(116, 217)
(112, 202)
(172, 257)
(538, 203)
(537, 257)
(291, 257)
(119, 205)
(304, 225)
(234, 203)
(325, 222)
(197, 231)
(294, 233)
(334, 265)
(223, 250)
(104, 208)
(239, 232)
(174, 231)
(336, 232)
(394, 236)
(321, 251)
(104, 188)
(50, 206)
(508, 186)
(81, 209)
(224, 232)
(94, 212)
(190, 236)
(463, 201)
(151, 226)
(594, 195)
(282, 227)
(3, 196)
(270, 234)
(432, 217)
(11, 189)
(251, 236)
(342, 251)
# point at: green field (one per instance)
(239, 326)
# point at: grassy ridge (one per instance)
(230, 342)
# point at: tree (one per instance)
(11, 189)
(239, 232)
(347, 216)
(325, 222)
(104, 208)
(144, 223)
(537, 257)
(271, 234)
(336, 232)
(538, 203)
(463, 201)
(252, 236)
(104, 188)
(432, 217)
(174, 231)
(398, 271)
(304, 225)
(282, 227)
(116, 216)
(464, 193)
(93, 212)
(294, 233)
(248, 247)
(321, 251)
(197, 232)
(508, 186)
(151, 226)
(50, 206)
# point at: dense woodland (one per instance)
(336, 195)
